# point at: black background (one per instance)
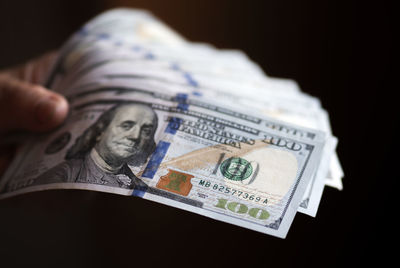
(342, 53)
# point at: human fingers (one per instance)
(26, 106)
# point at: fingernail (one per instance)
(46, 109)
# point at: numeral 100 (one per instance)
(239, 208)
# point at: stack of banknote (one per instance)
(153, 115)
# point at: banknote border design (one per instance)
(275, 225)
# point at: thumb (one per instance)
(25, 106)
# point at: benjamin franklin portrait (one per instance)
(121, 136)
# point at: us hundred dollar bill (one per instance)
(139, 127)
(194, 158)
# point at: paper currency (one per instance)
(187, 125)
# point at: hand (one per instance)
(25, 105)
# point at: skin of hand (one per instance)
(25, 105)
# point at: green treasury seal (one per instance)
(236, 168)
